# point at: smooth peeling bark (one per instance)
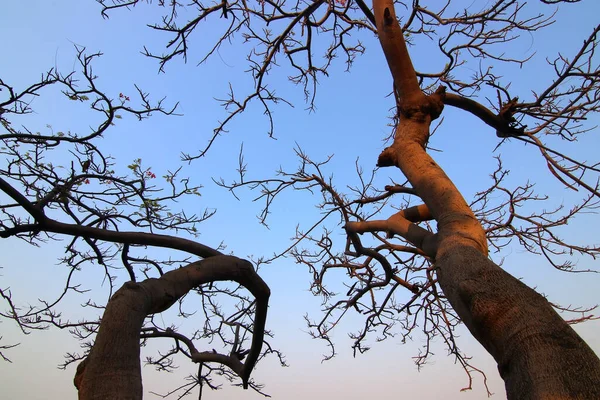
(539, 355)
(112, 369)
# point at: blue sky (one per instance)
(350, 121)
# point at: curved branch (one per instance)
(116, 351)
(135, 238)
(138, 238)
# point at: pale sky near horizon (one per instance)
(350, 121)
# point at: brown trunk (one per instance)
(539, 355)
(112, 369)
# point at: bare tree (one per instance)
(446, 266)
(435, 251)
(111, 219)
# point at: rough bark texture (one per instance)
(539, 355)
(112, 369)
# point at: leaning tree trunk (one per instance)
(112, 368)
(539, 355)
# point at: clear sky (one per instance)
(350, 121)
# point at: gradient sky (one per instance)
(350, 122)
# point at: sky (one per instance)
(350, 121)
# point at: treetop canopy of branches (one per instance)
(63, 184)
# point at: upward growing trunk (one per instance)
(539, 355)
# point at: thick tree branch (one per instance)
(137, 238)
(132, 238)
(396, 53)
(113, 365)
(35, 212)
(402, 224)
(499, 122)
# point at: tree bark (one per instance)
(112, 369)
(539, 355)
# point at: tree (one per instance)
(101, 203)
(444, 266)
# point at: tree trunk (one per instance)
(112, 368)
(539, 355)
